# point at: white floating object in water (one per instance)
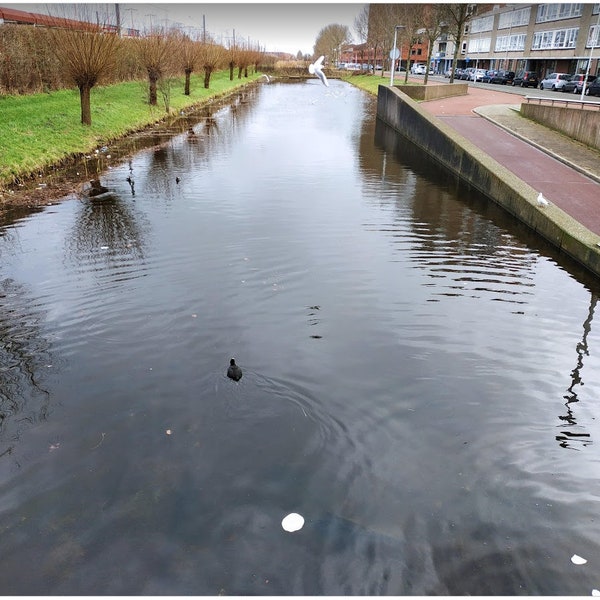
(578, 560)
(293, 522)
(595, 592)
(541, 200)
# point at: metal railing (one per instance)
(567, 102)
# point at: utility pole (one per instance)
(131, 15)
(118, 16)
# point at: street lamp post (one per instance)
(394, 50)
(587, 71)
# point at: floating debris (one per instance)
(595, 592)
(168, 432)
(293, 522)
(578, 560)
(100, 442)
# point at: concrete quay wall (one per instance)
(578, 124)
(488, 176)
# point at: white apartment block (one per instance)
(534, 37)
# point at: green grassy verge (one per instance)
(45, 129)
(370, 83)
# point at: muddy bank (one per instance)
(72, 176)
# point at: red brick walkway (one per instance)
(567, 188)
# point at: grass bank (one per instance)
(370, 83)
(44, 129)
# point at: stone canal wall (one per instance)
(485, 174)
(580, 125)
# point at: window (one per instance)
(483, 24)
(514, 18)
(557, 39)
(510, 43)
(555, 12)
(593, 37)
(479, 45)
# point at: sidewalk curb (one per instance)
(561, 159)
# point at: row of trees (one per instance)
(420, 23)
(38, 59)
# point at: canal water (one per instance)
(420, 374)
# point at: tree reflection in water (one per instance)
(25, 357)
(110, 225)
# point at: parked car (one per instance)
(526, 79)
(466, 74)
(594, 88)
(575, 84)
(418, 69)
(554, 81)
(489, 75)
(458, 73)
(503, 77)
(477, 75)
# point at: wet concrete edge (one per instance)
(485, 174)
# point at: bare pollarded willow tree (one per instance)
(158, 53)
(190, 54)
(212, 56)
(86, 56)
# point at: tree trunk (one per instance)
(152, 95)
(207, 73)
(455, 56)
(86, 109)
(231, 65)
(188, 73)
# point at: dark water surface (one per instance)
(421, 375)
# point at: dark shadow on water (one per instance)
(410, 155)
(25, 361)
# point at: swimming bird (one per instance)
(234, 372)
(541, 200)
(267, 77)
(315, 69)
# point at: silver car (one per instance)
(554, 81)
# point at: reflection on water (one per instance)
(25, 356)
(405, 344)
(571, 438)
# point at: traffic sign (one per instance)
(394, 53)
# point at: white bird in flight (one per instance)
(315, 69)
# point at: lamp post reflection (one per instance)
(576, 380)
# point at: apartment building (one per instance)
(543, 38)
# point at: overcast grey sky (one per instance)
(276, 26)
